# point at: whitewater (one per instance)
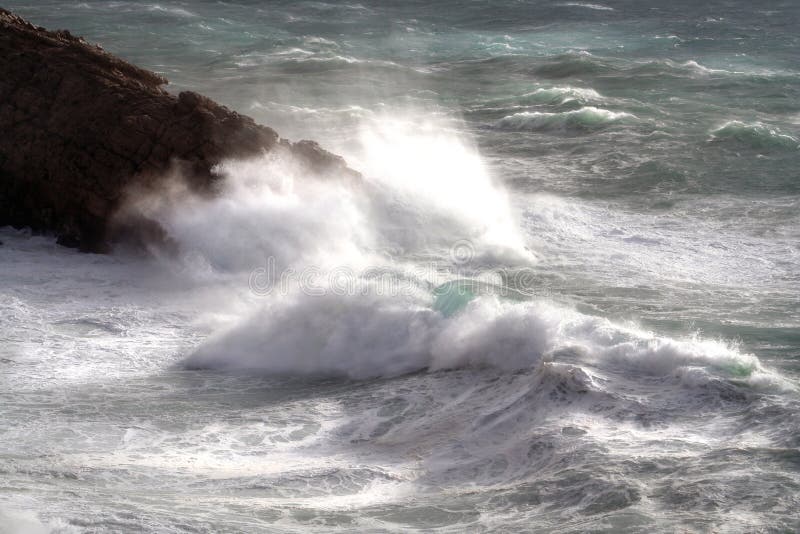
(561, 297)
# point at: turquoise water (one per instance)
(638, 162)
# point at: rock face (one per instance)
(79, 127)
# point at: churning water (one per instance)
(564, 297)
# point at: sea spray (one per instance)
(367, 336)
(423, 190)
(647, 383)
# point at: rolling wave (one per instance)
(360, 337)
(595, 7)
(755, 135)
(583, 64)
(586, 119)
(562, 95)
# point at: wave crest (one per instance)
(587, 118)
(368, 336)
(563, 95)
(755, 135)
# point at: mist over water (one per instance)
(563, 296)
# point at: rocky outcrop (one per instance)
(79, 127)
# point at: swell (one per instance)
(754, 135)
(585, 119)
(584, 64)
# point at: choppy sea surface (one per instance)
(563, 297)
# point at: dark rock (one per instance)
(80, 127)
(317, 158)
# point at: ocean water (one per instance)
(563, 297)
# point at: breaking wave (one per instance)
(369, 336)
(584, 119)
(581, 63)
(562, 95)
(423, 188)
(754, 135)
(595, 7)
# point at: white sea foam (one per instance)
(366, 336)
(755, 135)
(13, 521)
(422, 186)
(596, 7)
(564, 94)
(262, 212)
(169, 10)
(423, 189)
(587, 118)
